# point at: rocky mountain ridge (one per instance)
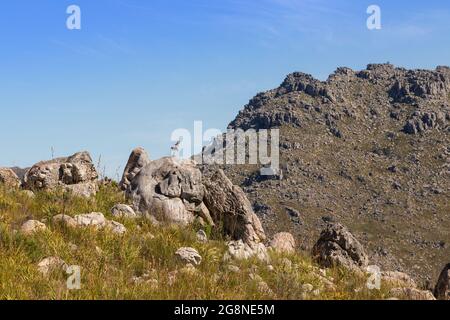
(370, 149)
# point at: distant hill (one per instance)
(370, 149)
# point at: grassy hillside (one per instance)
(141, 264)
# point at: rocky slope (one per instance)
(369, 149)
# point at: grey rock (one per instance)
(412, 294)
(338, 247)
(32, 226)
(69, 172)
(151, 190)
(230, 207)
(94, 219)
(189, 255)
(201, 236)
(115, 227)
(123, 211)
(137, 160)
(49, 264)
(238, 250)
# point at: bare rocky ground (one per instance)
(369, 149)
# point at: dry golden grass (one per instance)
(110, 262)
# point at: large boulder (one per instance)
(137, 160)
(442, 290)
(76, 173)
(338, 247)
(176, 191)
(169, 189)
(230, 208)
(9, 178)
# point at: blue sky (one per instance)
(138, 69)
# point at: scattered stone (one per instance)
(95, 219)
(241, 251)
(65, 220)
(123, 211)
(412, 294)
(264, 288)
(189, 255)
(201, 236)
(283, 242)
(115, 227)
(50, 264)
(32, 226)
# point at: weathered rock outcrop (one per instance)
(169, 189)
(177, 191)
(9, 178)
(76, 173)
(338, 247)
(442, 290)
(137, 160)
(423, 121)
(230, 207)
